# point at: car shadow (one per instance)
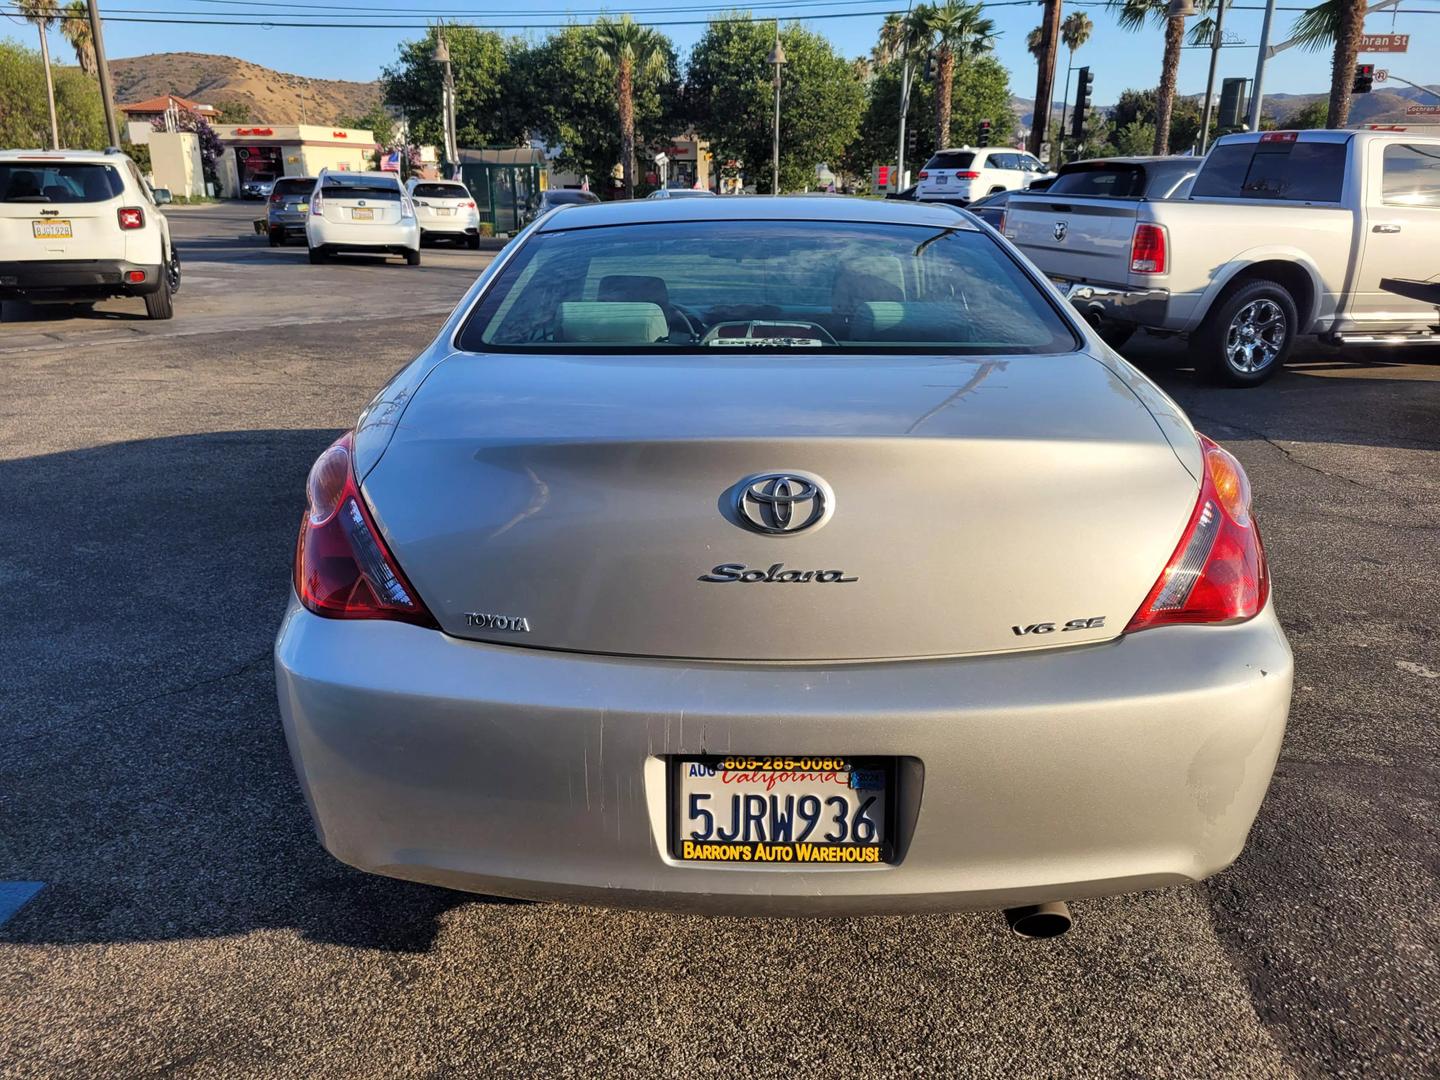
(144, 776)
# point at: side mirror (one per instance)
(162, 196)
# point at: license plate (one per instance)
(781, 811)
(940, 178)
(362, 215)
(304, 208)
(56, 229)
(442, 211)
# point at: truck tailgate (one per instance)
(1075, 237)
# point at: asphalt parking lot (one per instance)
(170, 913)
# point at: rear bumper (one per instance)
(1086, 771)
(449, 226)
(75, 279)
(1117, 303)
(344, 236)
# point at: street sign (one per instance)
(882, 176)
(1393, 43)
(661, 159)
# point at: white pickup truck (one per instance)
(1283, 233)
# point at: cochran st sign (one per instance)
(1392, 43)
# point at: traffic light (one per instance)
(1232, 104)
(912, 139)
(1364, 79)
(983, 137)
(1084, 88)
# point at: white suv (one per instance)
(445, 210)
(361, 211)
(78, 226)
(964, 174)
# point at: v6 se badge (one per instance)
(1092, 623)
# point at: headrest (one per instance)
(634, 287)
(620, 323)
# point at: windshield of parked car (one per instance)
(334, 189)
(294, 185)
(58, 183)
(558, 198)
(440, 191)
(1113, 180)
(951, 159)
(766, 285)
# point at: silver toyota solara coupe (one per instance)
(801, 555)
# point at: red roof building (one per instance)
(159, 106)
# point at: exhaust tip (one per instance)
(1037, 921)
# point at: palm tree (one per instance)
(1035, 43)
(1135, 15)
(75, 28)
(1338, 23)
(631, 51)
(1075, 31)
(894, 36)
(956, 30)
(42, 14)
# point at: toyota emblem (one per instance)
(781, 503)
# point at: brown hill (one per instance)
(270, 96)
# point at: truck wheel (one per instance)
(412, 258)
(1246, 337)
(159, 304)
(318, 255)
(277, 237)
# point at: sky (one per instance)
(1119, 59)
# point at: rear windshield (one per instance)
(1115, 181)
(293, 185)
(347, 190)
(36, 182)
(556, 198)
(956, 159)
(822, 286)
(440, 191)
(1290, 171)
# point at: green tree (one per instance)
(957, 32)
(1136, 137)
(1141, 106)
(24, 116)
(480, 61)
(558, 94)
(629, 51)
(1136, 15)
(1335, 24)
(1314, 115)
(235, 112)
(730, 94)
(75, 28)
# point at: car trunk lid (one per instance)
(586, 503)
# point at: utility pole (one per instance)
(1059, 151)
(1045, 76)
(102, 67)
(1214, 62)
(777, 57)
(904, 100)
(447, 102)
(49, 86)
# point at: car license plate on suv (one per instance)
(55, 229)
(443, 211)
(782, 811)
(362, 215)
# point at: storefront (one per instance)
(264, 151)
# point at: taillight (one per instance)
(470, 206)
(1000, 225)
(315, 206)
(967, 176)
(924, 175)
(1218, 572)
(342, 568)
(131, 217)
(276, 197)
(1147, 249)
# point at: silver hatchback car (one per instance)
(1023, 651)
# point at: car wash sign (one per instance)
(1392, 43)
